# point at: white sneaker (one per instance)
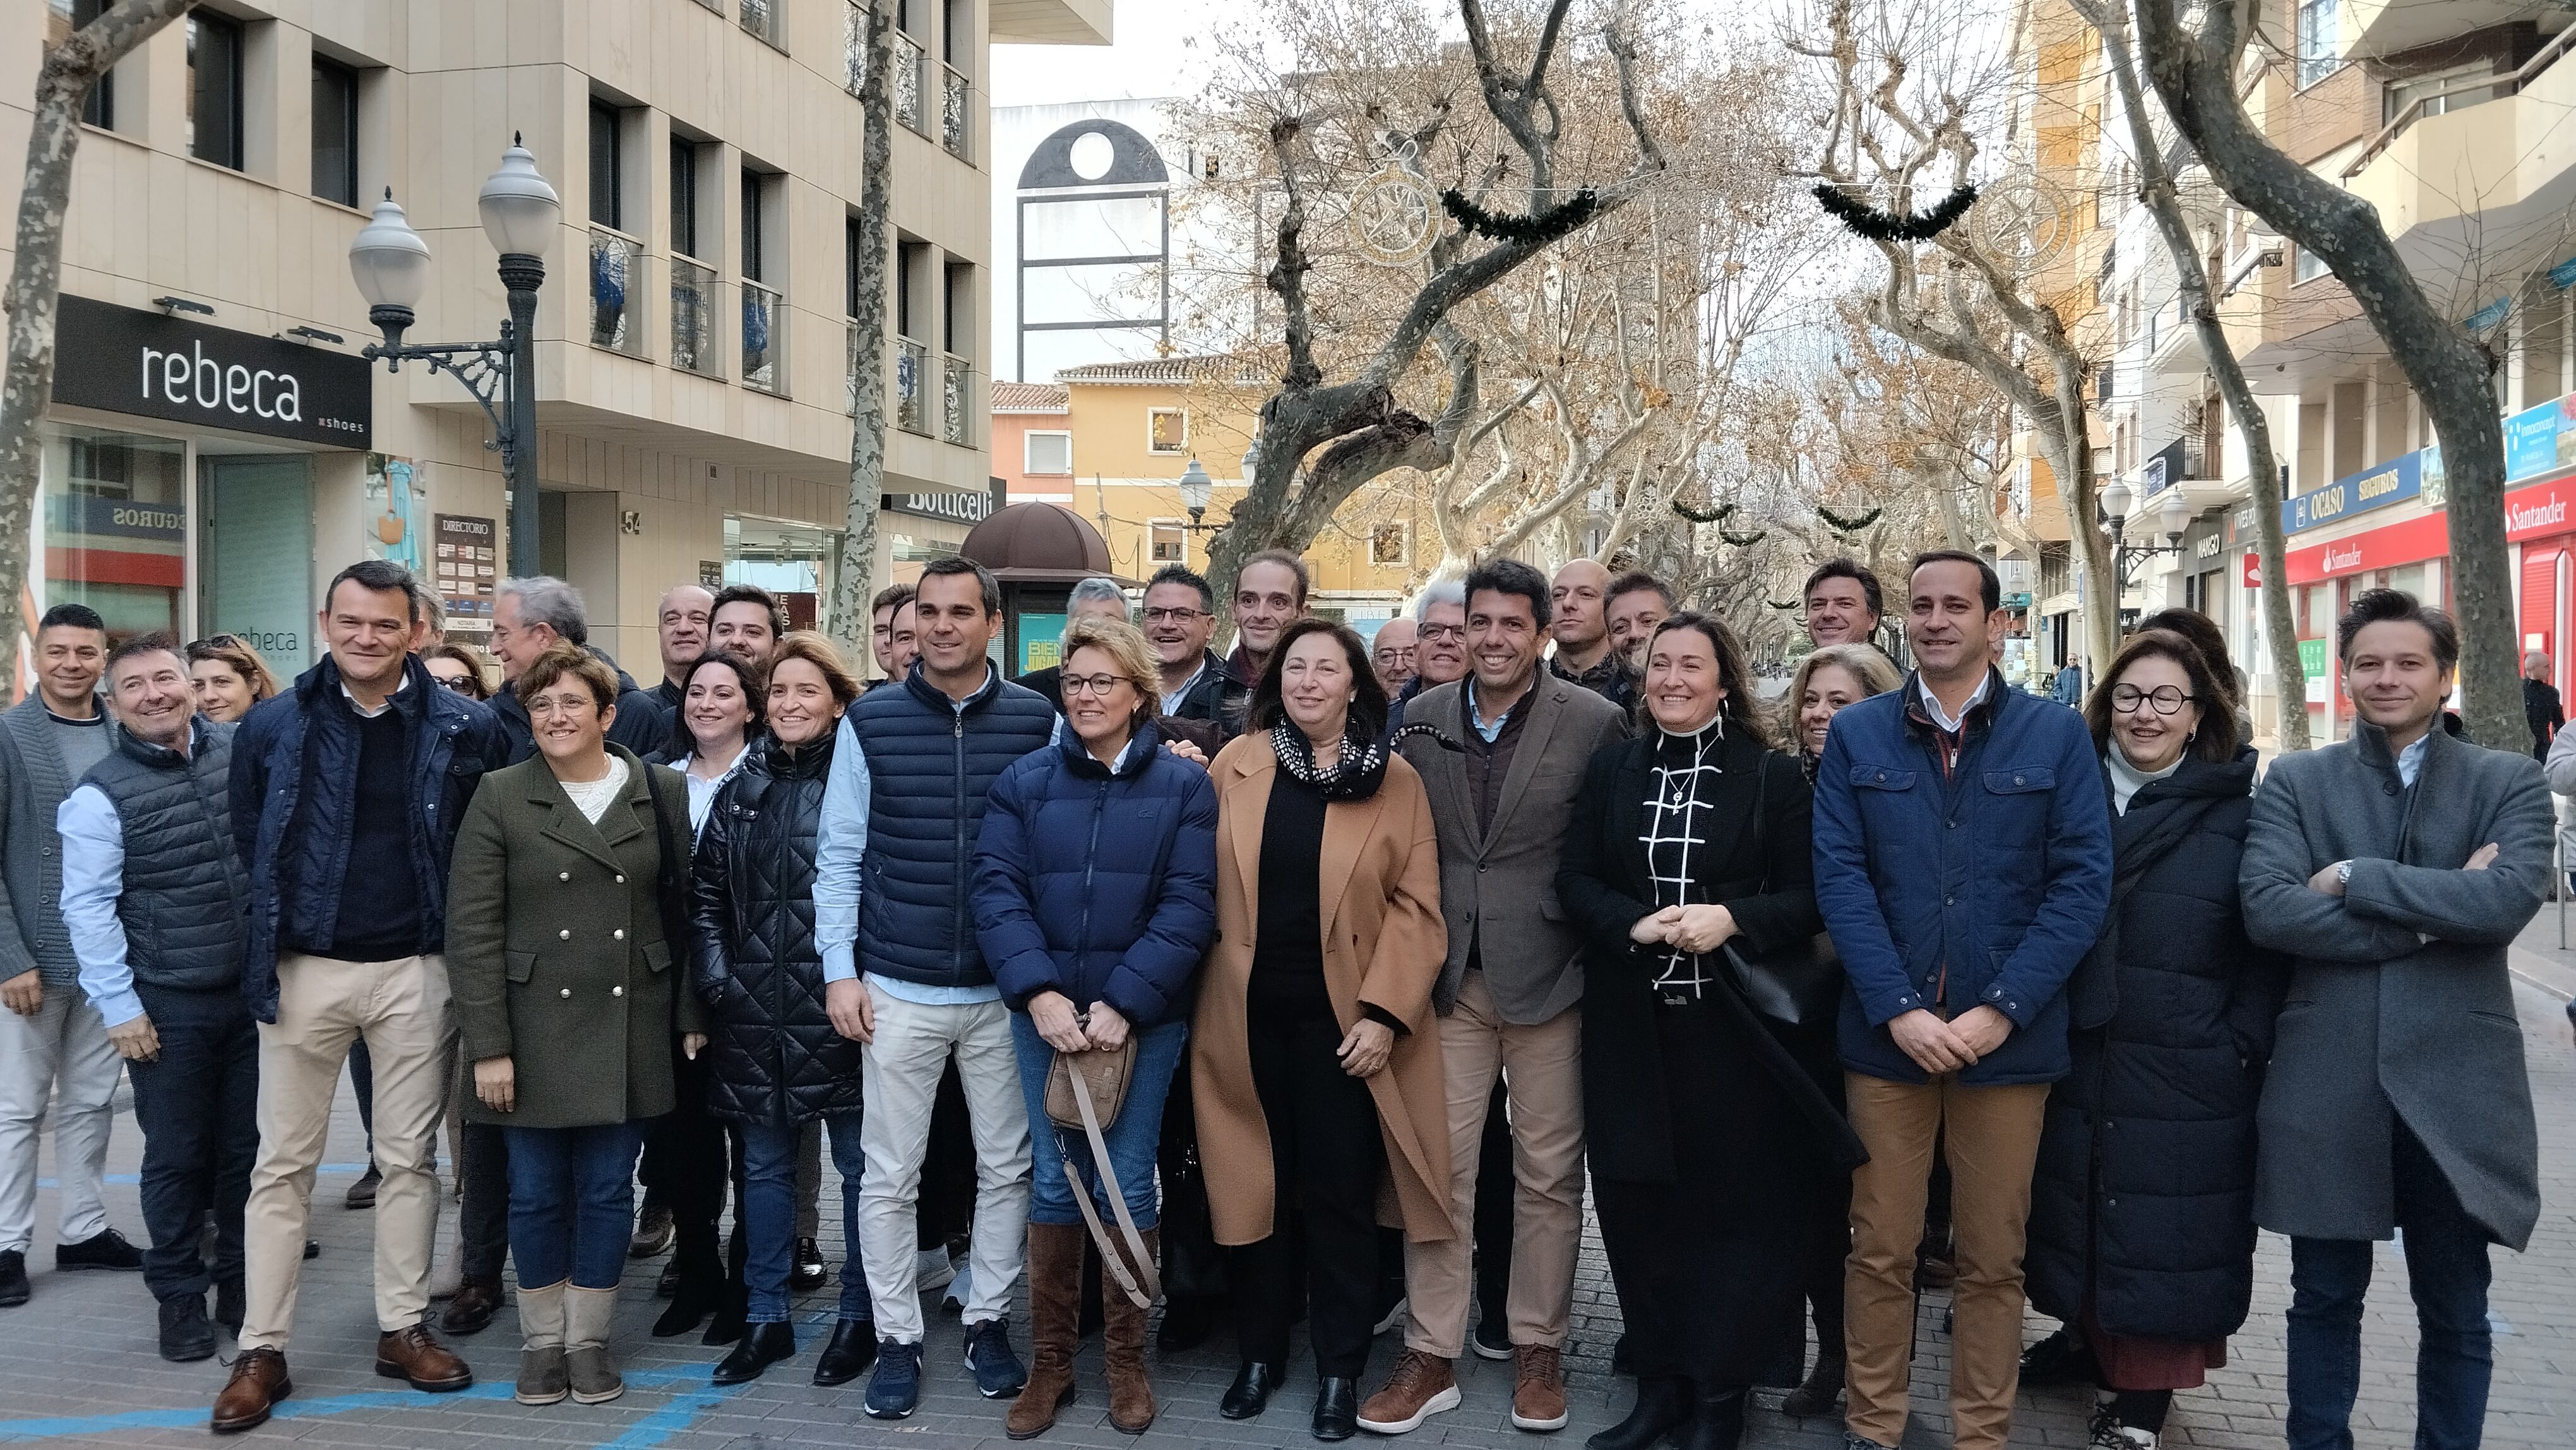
(2137, 1439)
(933, 1268)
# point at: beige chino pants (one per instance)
(401, 1009)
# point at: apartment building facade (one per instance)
(694, 351)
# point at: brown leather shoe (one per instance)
(1422, 1386)
(1122, 1349)
(415, 1355)
(1538, 1388)
(259, 1381)
(471, 1307)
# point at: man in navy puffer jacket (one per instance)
(1963, 866)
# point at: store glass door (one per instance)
(255, 556)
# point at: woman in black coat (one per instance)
(1713, 1149)
(775, 1061)
(2141, 1234)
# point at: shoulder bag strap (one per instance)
(1152, 1288)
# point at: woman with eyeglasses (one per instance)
(458, 667)
(1095, 898)
(229, 676)
(565, 917)
(2141, 1233)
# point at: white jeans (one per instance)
(64, 1044)
(913, 1041)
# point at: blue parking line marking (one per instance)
(663, 1422)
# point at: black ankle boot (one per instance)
(733, 1305)
(762, 1346)
(697, 1288)
(852, 1350)
(1337, 1408)
(1662, 1406)
(1717, 1421)
(1249, 1395)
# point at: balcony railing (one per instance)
(2495, 87)
(764, 323)
(616, 292)
(760, 17)
(911, 386)
(956, 399)
(696, 335)
(953, 111)
(909, 61)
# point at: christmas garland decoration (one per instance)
(1854, 525)
(1880, 226)
(1744, 541)
(1783, 605)
(1538, 229)
(1700, 516)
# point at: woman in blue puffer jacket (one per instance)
(1095, 900)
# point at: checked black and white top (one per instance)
(1683, 780)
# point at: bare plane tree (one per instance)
(1323, 439)
(2193, 61)
(854, 582)
(2156, 189)
(68, 74)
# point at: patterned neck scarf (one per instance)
(1354, 777)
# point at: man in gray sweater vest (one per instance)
(52, 1036)
(157, 904)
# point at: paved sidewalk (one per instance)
(79, 1366)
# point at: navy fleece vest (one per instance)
(930, 768)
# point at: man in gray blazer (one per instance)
(2396, 868)
(1513, 740)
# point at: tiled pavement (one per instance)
(77, 1365)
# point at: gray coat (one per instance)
(33, 782)
(1498, 887)
(2399, 996)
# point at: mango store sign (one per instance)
(123, 360)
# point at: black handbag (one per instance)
(1800, 984)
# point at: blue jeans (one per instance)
(572, 1202)
(769, 1211)
(2446, 1271)
(1133, 1136)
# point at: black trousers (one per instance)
(684, 1163)
(1326, 1154)
(198, 1107)
(1494, 1185)
(484, 1217)
(945, 1210)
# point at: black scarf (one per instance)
(1354, 777)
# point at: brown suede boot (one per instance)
(1055, 1316)
(1122, 1345)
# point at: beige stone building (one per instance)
(217, 450)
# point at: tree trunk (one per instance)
(69, 72)
(2451, 371)
(854, 582)
(2164, 204)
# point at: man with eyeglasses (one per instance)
(1180, 619)
(1963, 866)
(1439, 642)
(1392, 654)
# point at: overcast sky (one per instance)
(1151, 58)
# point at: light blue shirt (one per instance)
(841, 846)
(2411, 759)
(93, 879)
(1476, 717)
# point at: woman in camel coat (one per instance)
(1319, 830)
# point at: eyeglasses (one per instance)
(461, 684)
(1181, 614)
(1091, 684)
(2167, 700)
(1432, 632)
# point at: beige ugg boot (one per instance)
(587, 1314)
(542, 1379)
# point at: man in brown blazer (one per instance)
(1502, 778)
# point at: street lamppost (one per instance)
(390, 264)
(2174, 514)
(1196, 489)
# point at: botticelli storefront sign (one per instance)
(124, 360)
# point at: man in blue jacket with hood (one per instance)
(1963, 866)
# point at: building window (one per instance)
(1050, 453)
(1391, 545)
(115, 525)
(215, 89)
(911, 259)
(65, 17)
(755, 191)
(1167, 430)
(607, 166)
(761, 18)
(2318, 40)
(1170, 543)
(851, 248)
(957, 309)
(763, 313)
(2306, 265)
(335, 132)
(684, 196)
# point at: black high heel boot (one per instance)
(1663, 1405)
(1718, 1420)
(698, 1287)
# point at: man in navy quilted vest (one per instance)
(903, 974)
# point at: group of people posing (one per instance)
(1297, 982)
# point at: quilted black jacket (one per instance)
(752, 958)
